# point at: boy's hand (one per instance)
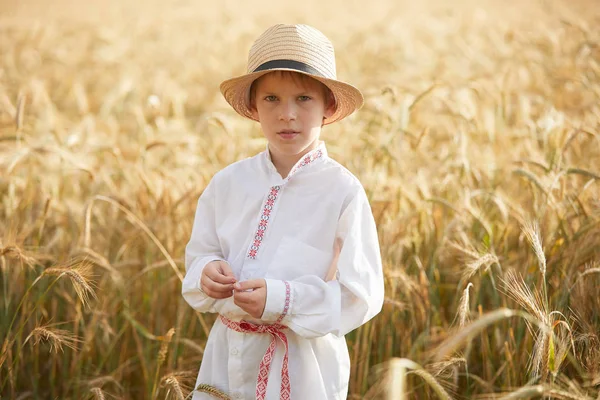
(217, 280)
(251, 296)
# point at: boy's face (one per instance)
(291, 111)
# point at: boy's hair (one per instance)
(301, 79)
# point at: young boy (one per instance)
(284, 245)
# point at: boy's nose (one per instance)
(288, 112)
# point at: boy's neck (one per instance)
(284, 164)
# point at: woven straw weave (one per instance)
(300, 43)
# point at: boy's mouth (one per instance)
(288, 133)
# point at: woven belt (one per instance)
(276, 331)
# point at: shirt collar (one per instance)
(308, 159)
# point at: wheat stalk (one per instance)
(80, 277)
(463, 307)
(213, 391)
(17, 253)
(532, 231)
(173, 383)
(436, 151)
(531, 301)
(399, 368)
(57, 338)
(162, 355)
(98, 393)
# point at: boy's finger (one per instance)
(242, 297)
(216, 276)
(250, 284)
(220, 295)
(217, 286)
(226, 270)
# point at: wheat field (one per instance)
(478, 145)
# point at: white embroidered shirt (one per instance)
(283, 230)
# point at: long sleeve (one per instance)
(316, 307)
(202, 248)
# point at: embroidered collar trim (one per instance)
(307, 159)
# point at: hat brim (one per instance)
(237, 91)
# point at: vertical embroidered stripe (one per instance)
(286, 306)
(269, 204)
(263, 222)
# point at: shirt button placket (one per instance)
(235, 361)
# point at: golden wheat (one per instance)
(80, 277)
(57, 338)
(477, 146)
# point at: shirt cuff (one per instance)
(191, 281)
(279, 301)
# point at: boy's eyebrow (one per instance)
(302, 93)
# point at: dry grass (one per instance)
(478, 146)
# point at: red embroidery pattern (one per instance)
(270, 202)
(264, 221)
(276, 331)
(286, 306)
(310, 157)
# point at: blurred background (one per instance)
(478, 146)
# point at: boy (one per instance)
(284, 246)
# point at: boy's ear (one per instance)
(252, 101)
(253, 110)
(330, 106)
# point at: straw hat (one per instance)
(298, 48)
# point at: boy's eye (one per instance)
(271, 98)
(304, 98)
